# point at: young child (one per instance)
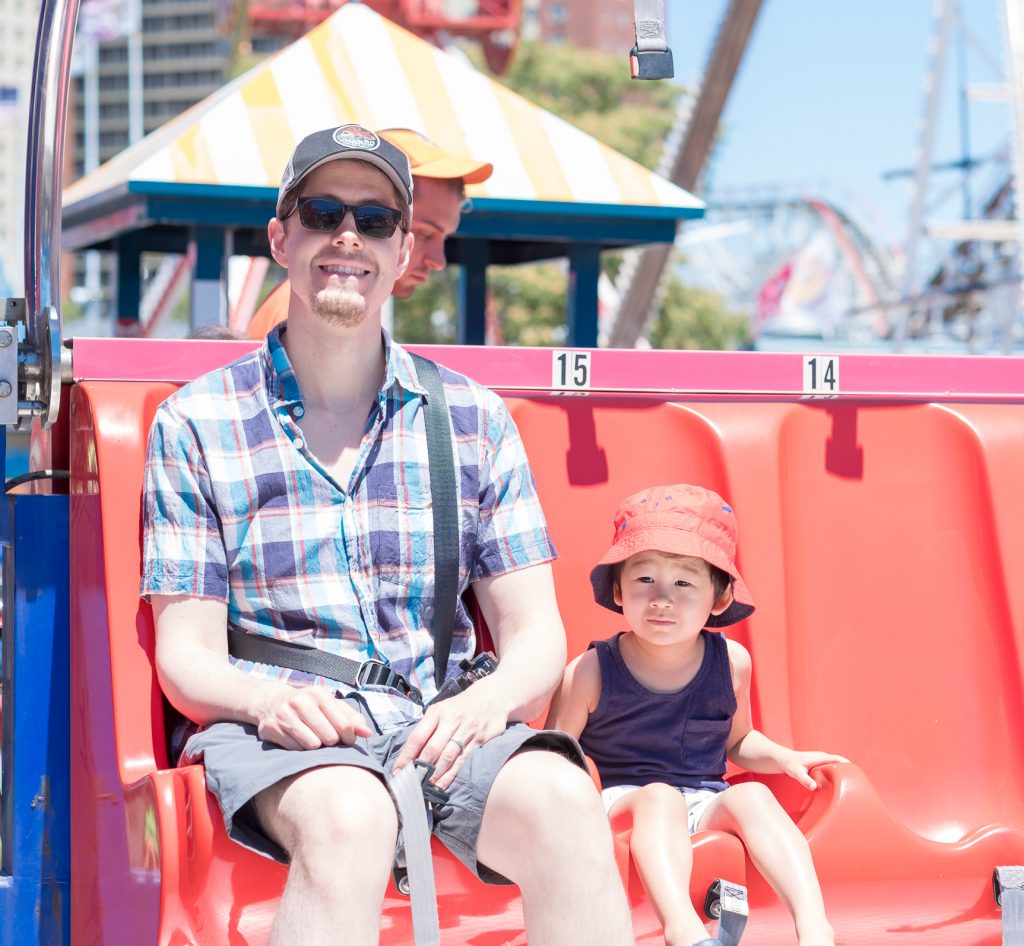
(659, 707)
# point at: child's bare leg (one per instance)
(660, 845)
(779, 851)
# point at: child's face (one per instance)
(667, 599)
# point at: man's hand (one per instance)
(796, 764)
(308, 718)
(451, 729)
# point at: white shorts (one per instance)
(697, 800)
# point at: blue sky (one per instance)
(831, 93)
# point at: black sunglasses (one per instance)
(325, 214)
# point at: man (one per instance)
(288, 496)
(439, 178)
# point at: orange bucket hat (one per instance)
(680, 520)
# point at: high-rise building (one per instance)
(18, 19)
(606, 25)
(129, 85)
(183, 57)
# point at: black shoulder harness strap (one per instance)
(445, 500)
(444, 497)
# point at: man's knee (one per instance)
(330, 810)
(536, 788)
(545, 797)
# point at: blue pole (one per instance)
(129, 277)
(35, 822)
(472, 303)
(584, 271)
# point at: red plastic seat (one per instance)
(879, 543)
(888, 628)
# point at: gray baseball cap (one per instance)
(345, 143)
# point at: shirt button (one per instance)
(299, 410)
(299, 444)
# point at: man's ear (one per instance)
(275, 234)
(724, 600)
(617, 592)
(405, 254)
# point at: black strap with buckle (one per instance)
(354, 673)
(444, 498)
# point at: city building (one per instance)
(18, 20)
(128, 82)
(606, 26)
(182, 55)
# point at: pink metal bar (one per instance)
(913, 377)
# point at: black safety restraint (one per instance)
(441, 458)
(444, 497)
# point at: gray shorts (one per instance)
(239, 765)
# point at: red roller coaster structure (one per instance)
(493, 23)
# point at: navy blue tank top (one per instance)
(637, 736)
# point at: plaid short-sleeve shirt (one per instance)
(237, 509)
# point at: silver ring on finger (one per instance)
(458, 742)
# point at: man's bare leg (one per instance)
(339, 825)
(544, 827)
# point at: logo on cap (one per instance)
(357, 137)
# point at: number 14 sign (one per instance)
(821, 375)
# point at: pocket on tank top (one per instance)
(702, 737)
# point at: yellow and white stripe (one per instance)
(359, 67)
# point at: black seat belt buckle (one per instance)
(432, 794)
(651, 63)
(377, 673)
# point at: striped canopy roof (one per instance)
(357, 66)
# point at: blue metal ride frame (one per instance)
(35, 821)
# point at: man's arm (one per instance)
(194, 671)
(577, 696)
(522, 615)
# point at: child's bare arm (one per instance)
(577, 695)
(751, 748)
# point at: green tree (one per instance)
(691, 318)
(592, 90)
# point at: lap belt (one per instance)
(407, 790)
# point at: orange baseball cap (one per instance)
(428, 160)
(680, 520)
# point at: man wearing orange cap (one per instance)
(439, 193)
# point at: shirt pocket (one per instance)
(704, 742)
(402, 540)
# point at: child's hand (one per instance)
(797, 764)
